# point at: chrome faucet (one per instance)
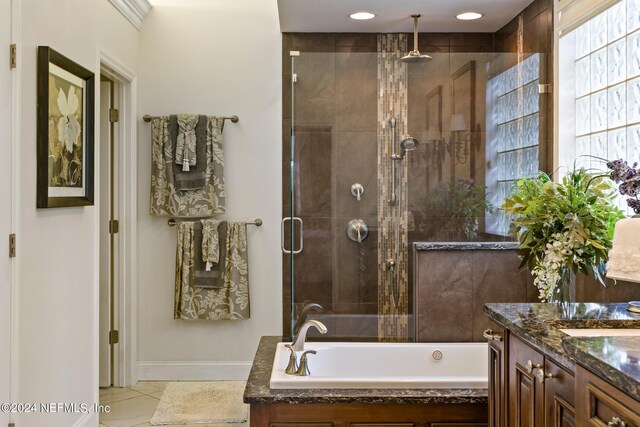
(301, 336)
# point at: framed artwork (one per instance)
(65, 131)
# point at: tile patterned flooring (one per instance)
(136, 405)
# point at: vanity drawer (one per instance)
(600, 404)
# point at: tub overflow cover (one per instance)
(437, 355)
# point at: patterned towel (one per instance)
(186, 141)
(194, 178)
(210, 242)
(229, 301)
(167, 197)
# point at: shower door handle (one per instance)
(301, 240)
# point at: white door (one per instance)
(105, 256)
(5, 210)
(109, 242)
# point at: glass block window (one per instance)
(599, 111)
(513, 130)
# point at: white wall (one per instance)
(212, 57)
(57, 248)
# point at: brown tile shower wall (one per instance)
(453, 285)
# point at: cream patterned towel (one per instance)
(166, 196)
(210, 242)
(186, 141)
(228, 300)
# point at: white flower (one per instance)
(68, 126)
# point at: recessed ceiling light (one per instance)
(362, 15)
(469, 16)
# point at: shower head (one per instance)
(414, 55)
(406, 145)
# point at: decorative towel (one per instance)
(228, 302)
(193, 179)
(166, 197)
(210, 242)
(186, 140)
(213, 277)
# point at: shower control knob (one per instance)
(357, 230)
(357, 190)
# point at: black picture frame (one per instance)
(65, 131)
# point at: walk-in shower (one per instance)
(381, 155)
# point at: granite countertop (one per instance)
(258, 391)
(465, 246)
(615, 358)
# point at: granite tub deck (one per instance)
(258, 391)
(615, 358)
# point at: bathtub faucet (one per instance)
(303, 315)
(301, 336)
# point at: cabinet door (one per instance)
(559, 396)
(497, 341)
(526, 399)
(599, 404)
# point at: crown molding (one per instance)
(134, 10)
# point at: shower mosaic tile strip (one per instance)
(393, 285)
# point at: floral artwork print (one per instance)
(65, 133)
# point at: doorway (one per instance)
(6, 207)
(109, 232)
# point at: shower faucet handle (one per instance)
(357, 190)
(357, 230)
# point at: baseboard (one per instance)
(90, 419)
(192, 371)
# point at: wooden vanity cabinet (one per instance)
(498, 339)
(539, 393)
(525, 395)
(600, 404)
(559, 396)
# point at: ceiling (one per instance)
(392, 16)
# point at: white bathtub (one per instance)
(385, 365)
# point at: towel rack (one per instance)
(173, 221)
(234, 119)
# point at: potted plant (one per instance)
(563, 228)
(452, 210)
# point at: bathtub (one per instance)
(346, 365)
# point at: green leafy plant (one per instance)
(457, 206)
(563, 226)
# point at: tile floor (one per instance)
(136, 405)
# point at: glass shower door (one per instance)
(331, 186)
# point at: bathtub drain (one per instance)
(437, 355)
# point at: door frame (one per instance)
(16, 105)
(126, 282)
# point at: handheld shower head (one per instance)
(408, 144)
